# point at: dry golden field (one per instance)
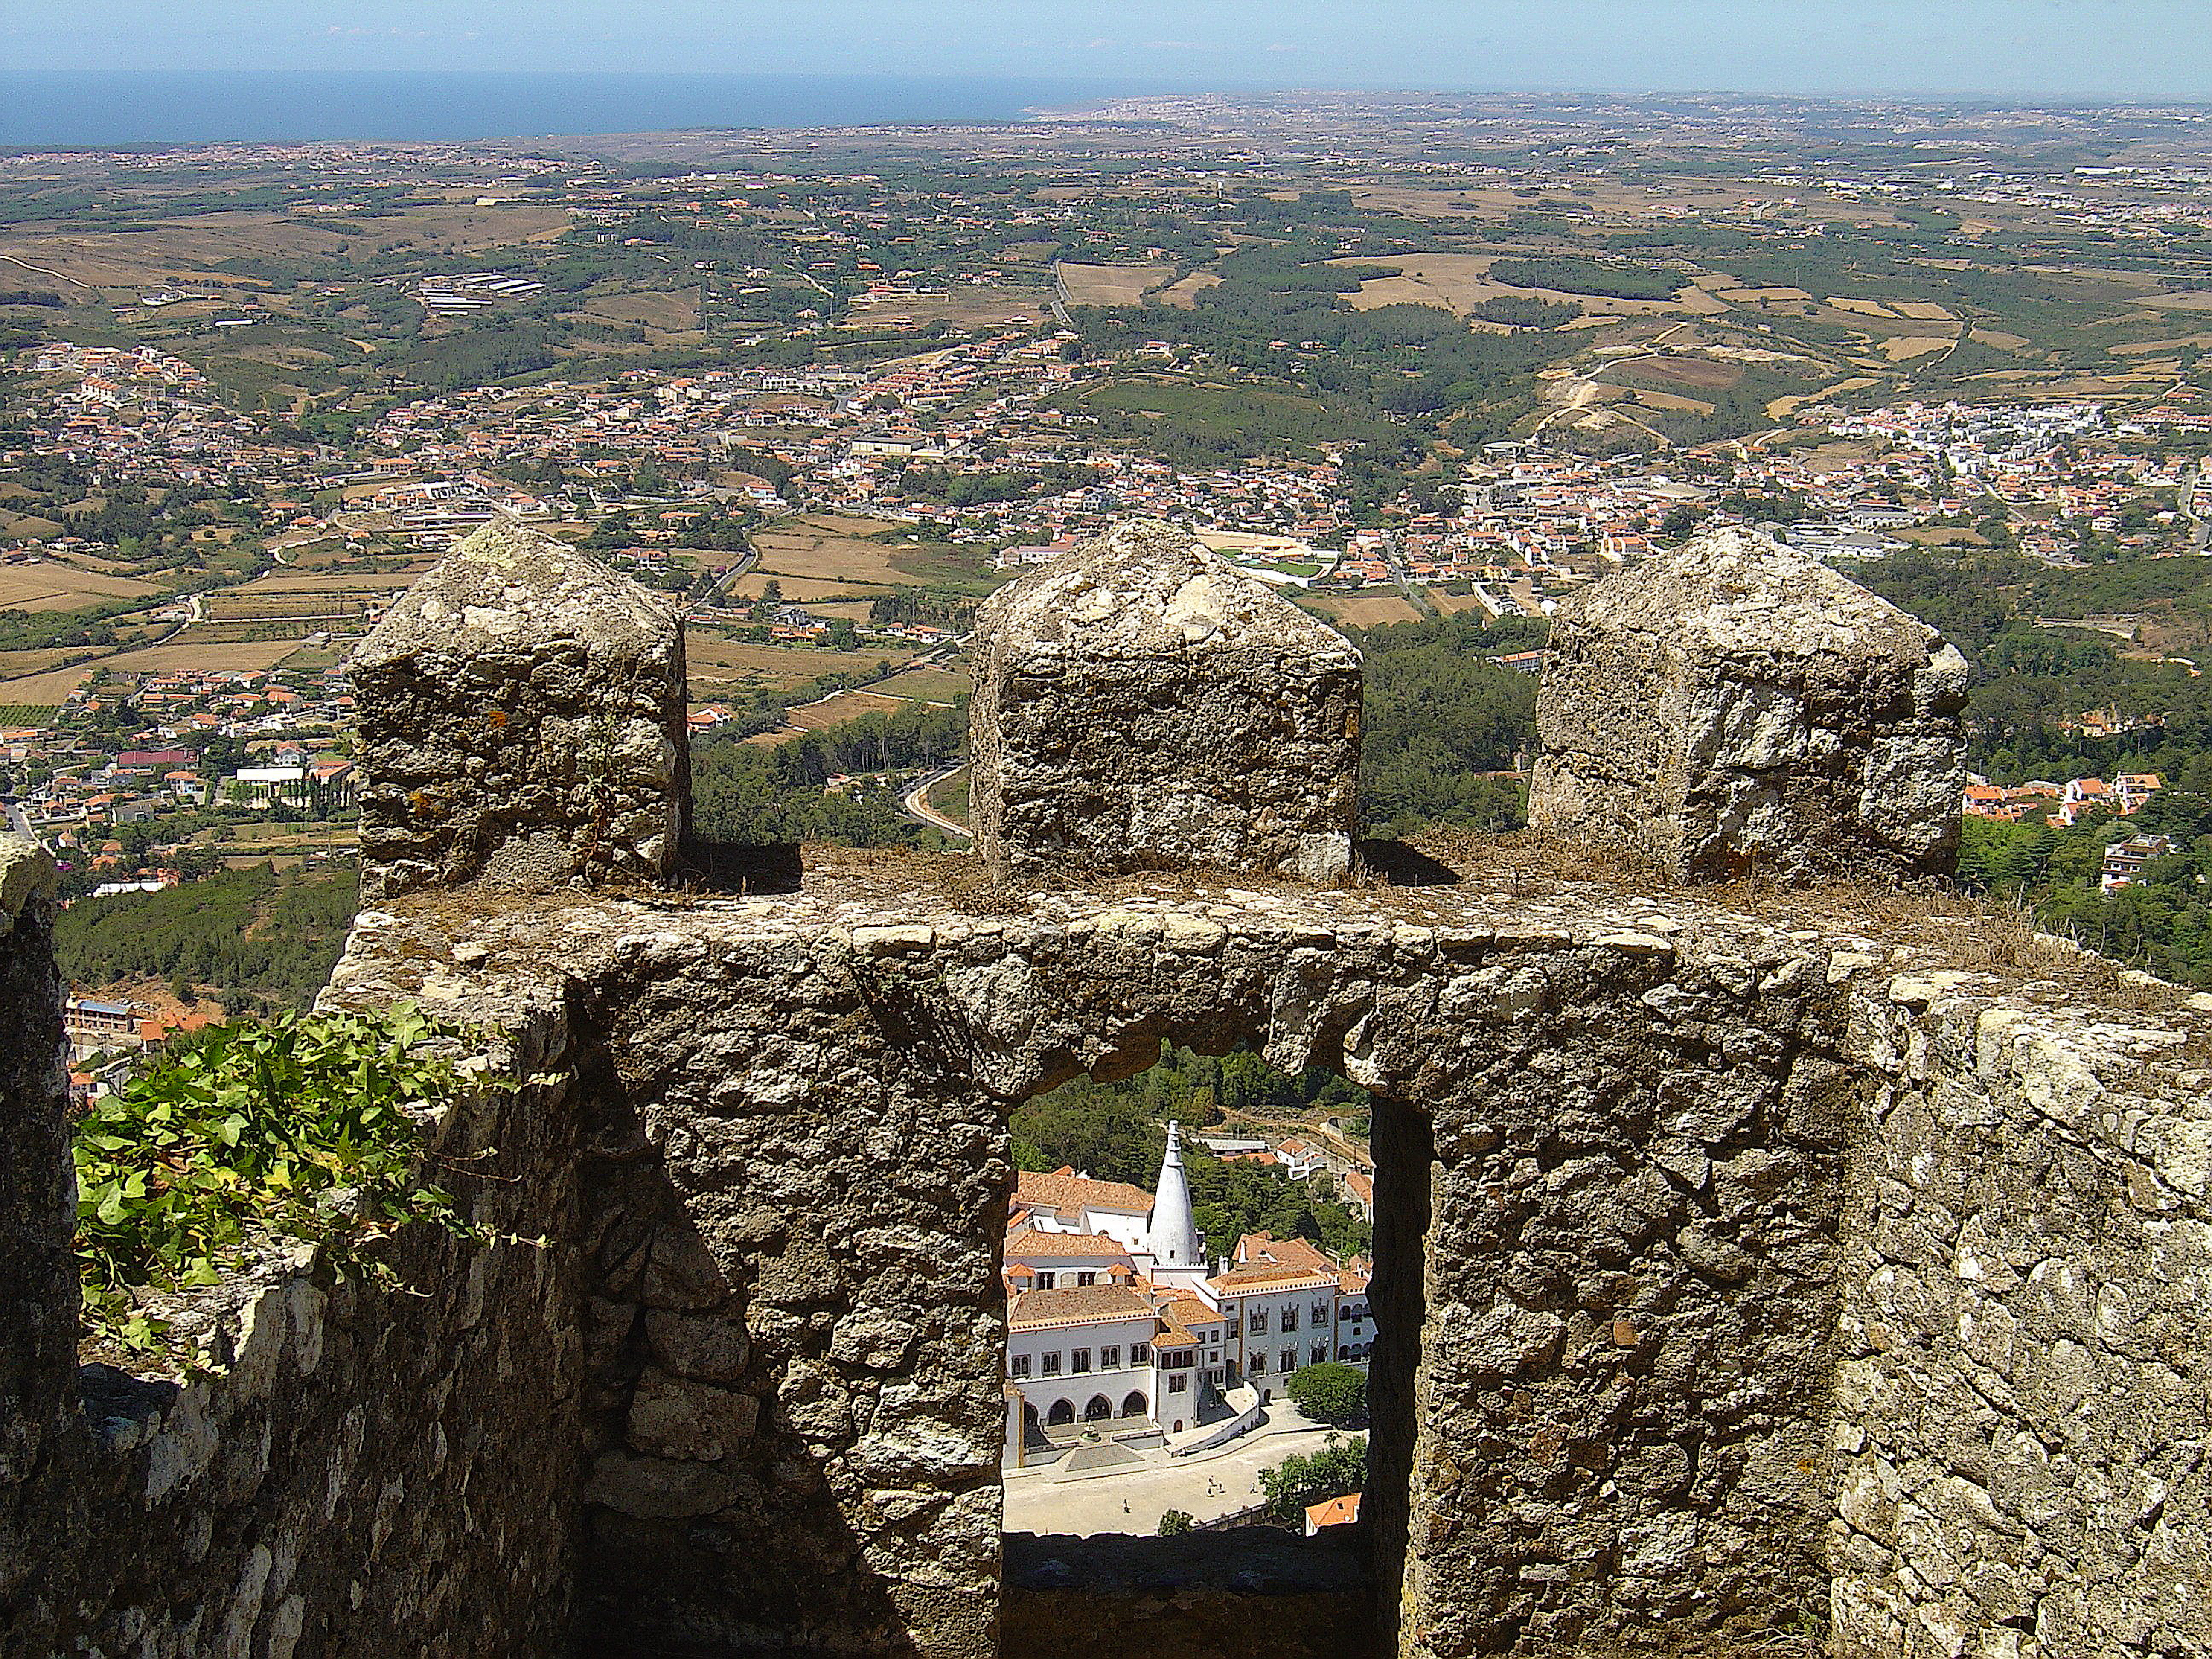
(926, 685)
(1667, 402)
(672, 312)
(186, 250)
(827, 547)
(800, 590)
(964, 307)
(1901, 348)
(50, 587)
(834, 710)
(1453, 603)
(1183, 293)
(1363, 610)
(843, 707)
(718, 665)
(1112, 285)
(1459, 282)
(212, 656)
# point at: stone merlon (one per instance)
(1141, 704)
(522, 719)
(1735, 705)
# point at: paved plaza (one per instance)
(1209, 1485)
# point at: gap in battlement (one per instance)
(1188, 1264)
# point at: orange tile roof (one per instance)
(1081, 1304)
(1334, 1511)
(1258, 1249)
(1259, 1280)
(1089, 1246)
(1186, 1309)
(1065, 1192)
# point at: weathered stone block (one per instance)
(672, 1417)
(1141, 704)
(522, 719)
(1735, 705)
(38, 1200)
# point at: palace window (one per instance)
(1086, 1278)
(1044, 1281)
(1290, 1320)
(1140, 1353)
(1290, 1361)
(1021, 1364)
(1259, 1363)
(1078, 1360)
(1110, 1359)
(1320, 1313)
(1318, 1353)
(1052, 1364)
(1259, 1321)
(1179, 1383)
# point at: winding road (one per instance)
(915, 803)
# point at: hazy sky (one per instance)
(2083, 49)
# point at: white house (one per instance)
(1116, 1322)
(1082, 1354)
(1066, 1202)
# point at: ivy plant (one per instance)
(299, 1128)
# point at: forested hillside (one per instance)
(250, 937)
(1443, 724)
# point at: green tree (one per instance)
(1176, 1523)
(1337, 1470)
(1329, 1392)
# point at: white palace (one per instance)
(1115, 1320)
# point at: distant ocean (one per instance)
(40, 108)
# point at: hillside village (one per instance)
(110, 771)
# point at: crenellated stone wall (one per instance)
(2025, 1363)
(1756, 1272)
(345, 1468)
(1671, 1198)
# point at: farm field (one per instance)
(928, 684)
(844, 706)
(1184, 292)
(719, 665)
(801, 590)
(50, 587)
(835, 709)
(1362, 609)
(966, 306)
(190, 250)
(209, 656)
(1452, 603)
(1460, 282)
(1112, 285)
(830, 548)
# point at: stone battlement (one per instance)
(1749, 1261)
